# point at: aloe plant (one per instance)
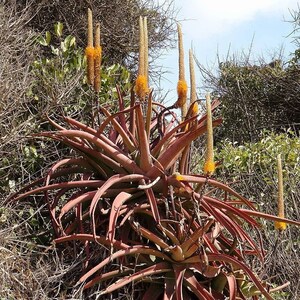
(184, 236)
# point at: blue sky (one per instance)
(215, 26)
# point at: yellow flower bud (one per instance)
(209, 167)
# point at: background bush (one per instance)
(251, 169)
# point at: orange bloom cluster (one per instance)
(141, 88)
(182, 89)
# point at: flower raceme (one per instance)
(182, 93)
(141, 86)
(89, 52)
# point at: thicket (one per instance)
(119, 24)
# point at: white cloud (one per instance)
(215, 16)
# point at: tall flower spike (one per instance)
(141, 81)
(146, 60)
(209, 165)
(181, 85)
(278, 224)
(89, 50)
(97, 59)
(193, 96)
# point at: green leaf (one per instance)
(42, 41)
(48, 37)
(58, 28)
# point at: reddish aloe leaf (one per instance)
(96, 158)
(89, 154)
(219, 257)
(153, 203)
(269, 217)
(145, 156)
(109, 275)
(235, 229)
(121, 108)
(72, 203)
(171, 154)
(153, 292)
(115, 115)
(67, 185)
(148, 116)
(169, 284)
(232, 286)
(179, 271)
(127, 142)
(161, 267)
(89, 237)
(118, 202)
(171, 235)
(93, 132)
(196, 287)
(150, 235)
(141, 208)
(194, 237)
(215, 183)
(110, 182)
(224, 205)
(117, 155)
(168, 136)
(121, 253)
(205, 270)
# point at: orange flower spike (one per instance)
(89, 51)
(146, 59)
(141, 81)
(209, 165)
(281, 226)
(182, 85)
(97, 59)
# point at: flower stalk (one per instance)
(141, 84)
(181, 85)
(89, 50)
(209, 165)
(97, 60)
(280, 226)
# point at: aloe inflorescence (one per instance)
(129, 190)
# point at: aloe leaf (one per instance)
(121, 253)
(179, 275)
(270, 217)
(89, 237)
(145, 156)
(220, 204)
(218, 184)
(121, 108)
(194, 237)
(118, 202)
(168, 157)
(158, 268)
(198, 290)
(153, 292)
(168, 136)
(232, 286)
(110, 182)
(117, 155)
(127, 142)
(149, 235)
(220, 257)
